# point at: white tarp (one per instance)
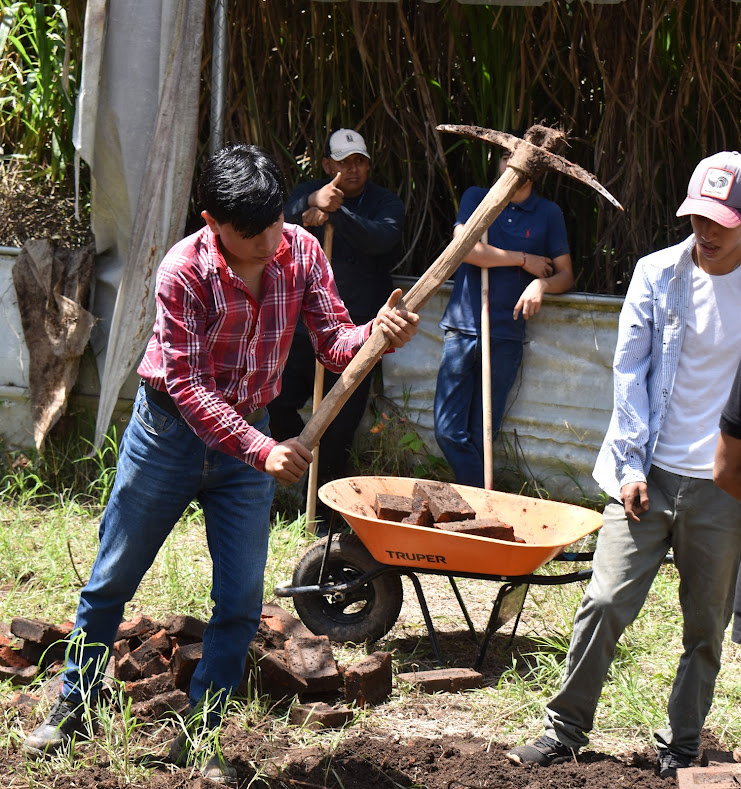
(136, 127)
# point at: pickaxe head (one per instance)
(534, 153)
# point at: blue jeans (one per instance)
(701, 524)
(162, 467)
(459, 427)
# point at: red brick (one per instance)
(389, 507)
(18, 676)
(277, 625)
(129, 668)
(139, 627)
(44, 656)
(447, 679)
(121, 647)
(12, 659)
(187, 629)
(720, 776)
(312, 659)
(148, 688)
(24, 701)
(369, 680)
(713, 756)
(320, 716)
(183, 663)
(272, 675)
(446, 503)
(163, 704)
(39, 632)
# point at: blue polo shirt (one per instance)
(535, 226)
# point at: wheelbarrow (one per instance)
(348, 586)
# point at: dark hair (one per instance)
(242, 185)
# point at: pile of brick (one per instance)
(155, 662)
(438, 505)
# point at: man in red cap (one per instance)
(677, 351)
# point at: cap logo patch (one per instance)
(717, 183)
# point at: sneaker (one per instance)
(216, 768)
(670, 762)
(545, 751)
(62, 723)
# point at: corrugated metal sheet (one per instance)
(558, 410)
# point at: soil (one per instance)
(369, 761)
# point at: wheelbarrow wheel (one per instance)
(364, 614)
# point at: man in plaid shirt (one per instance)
(228, 300)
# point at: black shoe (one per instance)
(62, 723)
(216, 768)
(670, 762)
(545, 751)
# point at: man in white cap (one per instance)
(679, 345)
(368, 221)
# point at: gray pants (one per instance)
(702, 525)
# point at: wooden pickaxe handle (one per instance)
(421, 292)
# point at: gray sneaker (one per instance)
(63, 722)
(545, 751)
(669, 762)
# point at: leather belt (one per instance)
(167, 404)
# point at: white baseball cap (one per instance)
(714, 190)
(344, 143)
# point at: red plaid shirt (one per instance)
(220, 354)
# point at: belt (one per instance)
(167, 404)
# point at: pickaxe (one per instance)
(530, 157)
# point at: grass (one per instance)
(47, 545)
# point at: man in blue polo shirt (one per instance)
(527, 254)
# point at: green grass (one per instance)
(47, 546)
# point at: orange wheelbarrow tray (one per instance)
(348, 586)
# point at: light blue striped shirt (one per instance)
(650, 333)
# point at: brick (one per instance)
(421, 514)
(448, 679)
(44, 656)
(121, 647)
(129, 669)
(720, 776)
(140, 627)
(392, 508)
(713, 756)
(10, 658)
(24, 701)
(183, 663)
(39, 632)
(18, 676)
(312, 659)
(369, 680)
(272, 675)
(446, 503)
(187, 629)
(164, 704)
(482, 527)
(148, 688)
(320, 716)
(277, 625)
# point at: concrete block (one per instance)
(369, 680)
(320, 716)
(311, 658)
(451, 680)
(720, 776)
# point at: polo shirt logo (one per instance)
(717, 183)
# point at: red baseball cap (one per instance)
(714, 190)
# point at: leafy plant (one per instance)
(38, 76)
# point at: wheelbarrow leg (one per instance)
(509, 603)
(464, 610)
(426, 614)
